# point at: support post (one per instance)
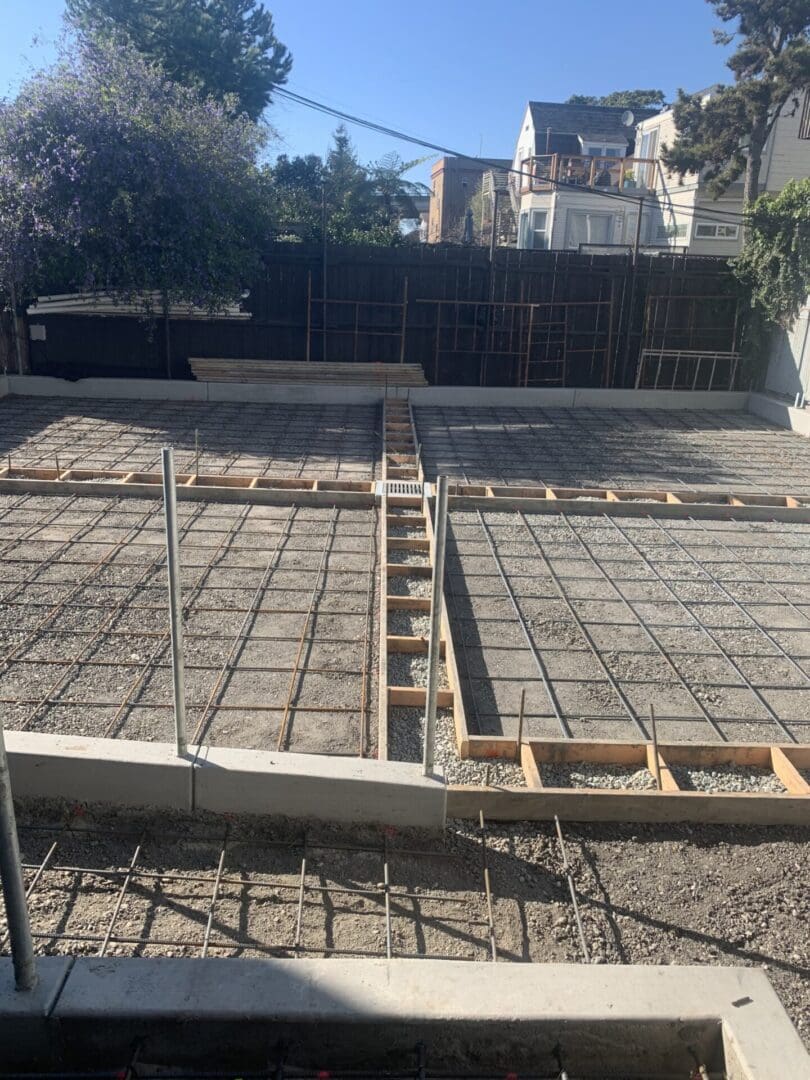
(175, 604)
(637, 240)
(19, 927)
(434, 643)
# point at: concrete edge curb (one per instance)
(313, 393)
(130, 773)
(645, 1018)
(779, 412)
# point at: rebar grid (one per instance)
(293, 906)
(618, 448)
(326, 441)
(77, 591)
(598, 619)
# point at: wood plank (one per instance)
(662, 807)
(668, 781)
(530, 770)
(408, 603)
(788, 773)
(417, 695)
(402, 643)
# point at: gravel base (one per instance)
(405, 586)
(408, 558)
(727, 778)
(409, 623)
(411, 532)
(597, 776)
(411, 669)
(405, 735)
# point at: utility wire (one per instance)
(382, 129)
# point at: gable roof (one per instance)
(567, 122)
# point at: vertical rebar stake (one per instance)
(19, 927)
(656, 760)
(434, 643)
(175, 604)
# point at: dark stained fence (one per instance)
(526, 318)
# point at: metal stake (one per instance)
(175, 603)
(519, 745)
(434, 644)
(19, 927)
(656, 762)
(196, 455)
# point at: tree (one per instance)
(774, 266)
(723, 135)
(357, 204)
(221, 48)
(624, 99)
(115, 179)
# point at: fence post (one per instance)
(434, 643)
(19, 927)
(175, 604)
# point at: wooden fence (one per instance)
(526, 318)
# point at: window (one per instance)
(603, 149)
(537, 235)
(705, 230)
(666, 232)
(582, 227)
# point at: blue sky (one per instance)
(456, 73)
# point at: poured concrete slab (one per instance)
(623, 1021)
(24, 1016)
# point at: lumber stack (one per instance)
(282, 371)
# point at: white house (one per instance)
(571, 162)
(583, 171)
(675, 213)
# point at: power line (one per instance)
(383, 129)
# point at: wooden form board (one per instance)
(214, 487)
(537, 802)
(635, 502)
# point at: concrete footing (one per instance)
(778, 412)
(310, 393)
(342, 1014)
(129, 773)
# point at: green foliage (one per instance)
(113, 178)
(226, 49)
(357, 204)
(624, 99)
(724, 136)
(774, 267)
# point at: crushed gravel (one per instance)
(399, 585)
(596, 776)
(405, 742)
(727, 778)
(408, 558)
(409, 623)
(411, 669)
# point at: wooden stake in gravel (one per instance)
(656, 762)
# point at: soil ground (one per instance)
(663, 895)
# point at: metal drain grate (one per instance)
(402, 487)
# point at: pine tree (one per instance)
(222, 48)
(723, 135)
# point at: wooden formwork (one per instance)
(670, 804)
(215, 486)
(632, 502)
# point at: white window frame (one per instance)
(711, 230)
(532, 231)
(588, 145)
